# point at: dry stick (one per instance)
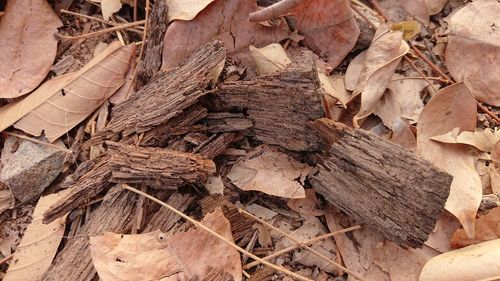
(215, 234)
(144, 37)
(308, 242)
(135, 10)
(316, 253)
(379, 10)
(96, 19)
(100, 32)
(6, 259)
(363, 16)
(421, 73)
(487, 111)
(34, 140)
(430, 63)
(418, 77)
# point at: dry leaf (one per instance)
(401, 101)
(28, 46)
(61, 103)
(435, 6)
(215, 185)
(440, 237)
(381, 61)
(409, 28)
(402, 264)
(473, 51)
(6, 200)
(309, 206)
(39, 244)
(261, 212)
(146, 256)
(483, 140)
(476, 262)
(452, 107)
(185, 9)
(487, 228)
(403, 135)
(223, 19)
(270, 58)
(417, 9)
(198, 250)
(268, 170)
(109, 7)
(334, 86)
(127, 90)
(353, 71)
(328, 26)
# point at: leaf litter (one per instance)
(393, 87)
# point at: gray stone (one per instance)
(28, 168)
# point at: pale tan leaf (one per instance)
(185, 9)
(39, 244)
(109, 7)
(487, 228)
(6, 200)
(197, 250)
(270, 58)
(444, 229)
(61, 103)
(333, 85)
(403, 135)
(146, 256)
(381, 60)
(452, 107)
(483, 140)
(28, 46)
(268, 170)
(402, 264)
(473, 50)
(353, 71)
(435, 6)
(476, 262)
(127, 89)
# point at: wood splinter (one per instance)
(379, 184)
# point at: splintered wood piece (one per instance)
(217, 145)
(115, 214)
(169, 92)
(280, 104)
(157, 167)
(164, 219)
(93, 177)
(380, 184)
(226, 122)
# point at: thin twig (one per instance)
(308, 242)
(300, 244)
(100, 32)
(485, 110)
(421, 73)
(379, 9)
(6, 259)
(431, 64)
(215, 234)
(363, 16)
(417, 77)
(34, 140)
(135, 10)
(98, 20)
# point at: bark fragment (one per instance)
(379, 183)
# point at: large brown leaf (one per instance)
(452, 107)
(28, 46)
(223, 19)
(487, 228)
(328, 26)
(473, 51)
(381, 61)
(61, 103)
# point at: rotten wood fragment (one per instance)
(157, 167)
(169, 93)
(280, 104)
(379, 184)
(150, 64)
(94, 180)
(221, 122)
(217, 145)
(164, 219)
(115, 214)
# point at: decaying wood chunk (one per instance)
(169, 93)
(153, 47)
(164, 219)
(280, 104)
(217, 145)
(74, 261)
(380, 184)
(158, 168)
(220, 122)
(94, 180)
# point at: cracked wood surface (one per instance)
(379, 184)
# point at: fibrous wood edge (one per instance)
(280, 104)
(379, 184)
(92, 178)
(74, 262)
(217, 145)
(153, 47)
(164, 219)
(169, 92)
(158, 168)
